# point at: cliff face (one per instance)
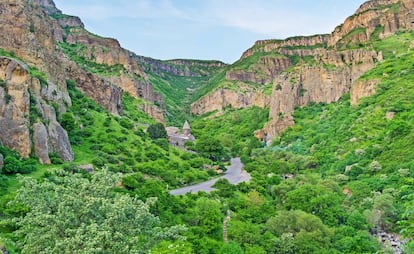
(262, 72)
(316, 84)
(23, 97)
(34, 70)
(122, 69)
(389, 16)
(105, 52)
(318, 68)
(179, 67)
(229, 98)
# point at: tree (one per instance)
(68, 122)
(70, 213)
(210, 148)
(156, 131)
(209, 217)
(230, 248)
(295, 221)
(306, 232)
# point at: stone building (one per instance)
(179, 139)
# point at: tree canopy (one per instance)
(156, 131)
(69, 212)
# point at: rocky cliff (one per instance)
(222, 98)
(179, 67)
(24, 106)
(319, 68)
(35, 67)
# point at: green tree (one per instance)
(210, 148)
(68, 122)
(230, 248)
(70, 213)
(156, 131)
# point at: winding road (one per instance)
(234, 174)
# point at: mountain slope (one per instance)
(42, 49)
(284, 74)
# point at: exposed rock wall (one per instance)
(31, 36)
(316, 84)
(298, 41)
(229, 98)
(179, 67)
(96, 88)
(392, 15)
(14, 106)
(131, 79)
(17, 91)
(262, 72)
(362, 88)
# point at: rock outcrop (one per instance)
(14, 106)
(108, 52)
(362, 88)
(32, 31)
(325, 82)
(98, 89)
(179, 67)
(263, 72)
(389, 16)
(222, 98)
(20, 93)
(41, 143)
(59, 141)
(1, 161)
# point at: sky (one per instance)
(205, 29)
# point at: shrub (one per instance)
(156, 131)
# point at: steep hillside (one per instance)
(42, 48)
(284, 74)
(180, 81)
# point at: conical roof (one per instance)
(186, 125)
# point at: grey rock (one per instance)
(4, 250)
(1, 161)
(87, 167)
(41, 146)
(60, 141)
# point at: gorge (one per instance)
(322, 124)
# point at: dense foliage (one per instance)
(232, 130)
(156, 131)
(70, 213)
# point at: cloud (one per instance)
(100, 10)
(262, 17)
(268, 18)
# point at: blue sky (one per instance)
(205, 29)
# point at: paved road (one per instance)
(234, 174)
